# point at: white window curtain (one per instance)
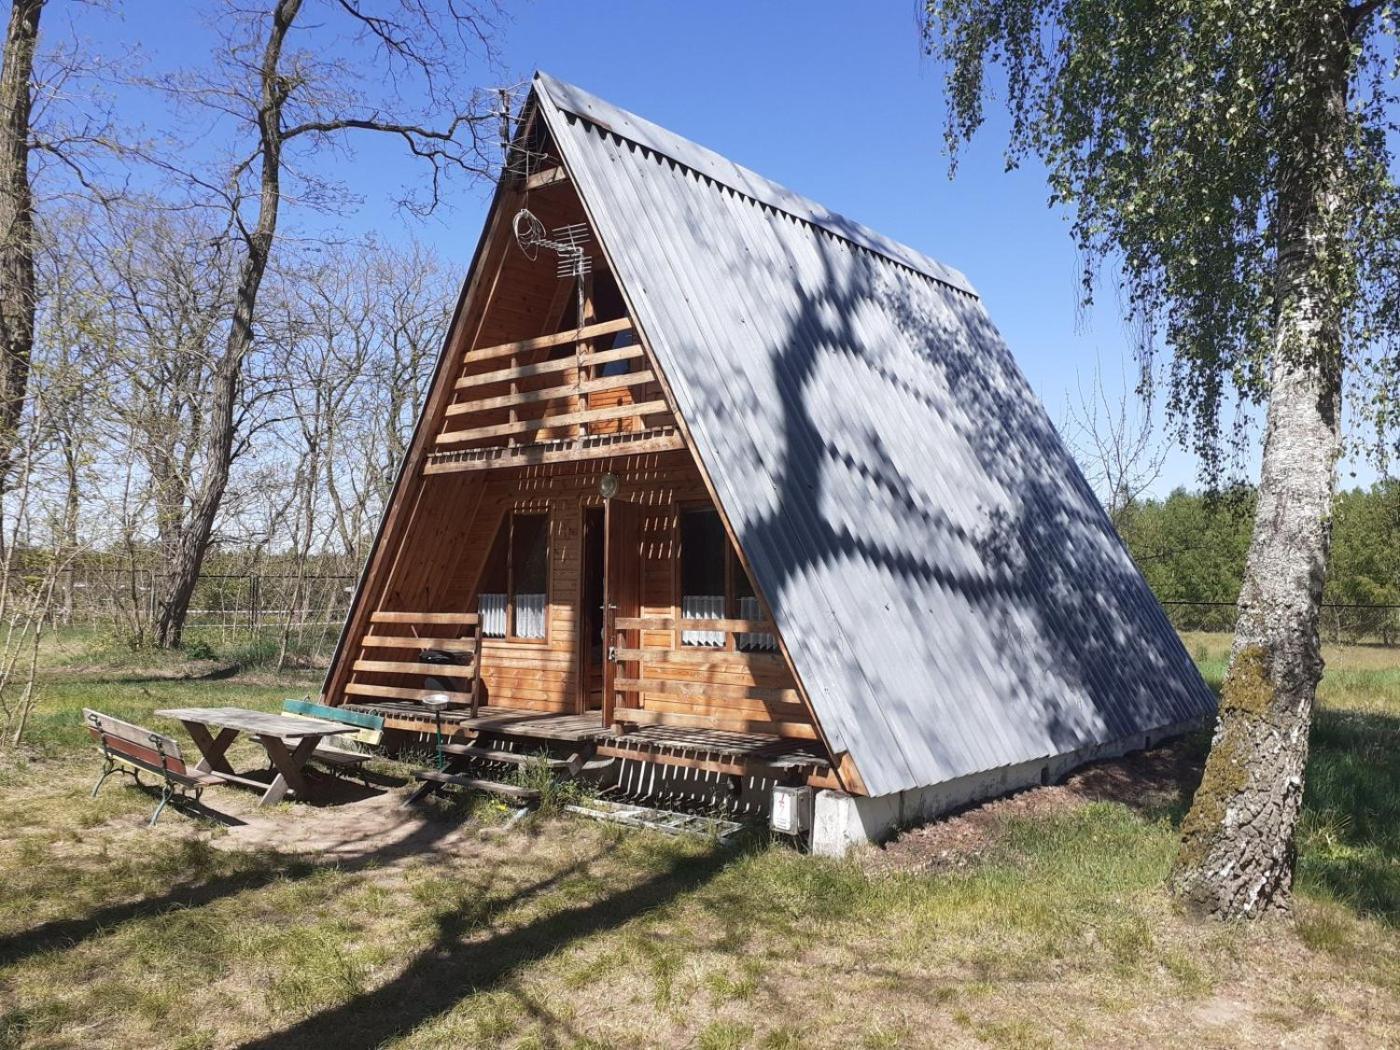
(492, 609)
(749, 643)
(529, 615)
(703, 607)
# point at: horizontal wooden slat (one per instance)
(415, 668)
(712, 660)
(562, 364)
(525, 426)
(422, 617)
(710, 689)
(670, 623)
(753, 709)
(639, 716)
(398, 641)
(533, 455)
(553, 393)
(542, 342)
(394, 692)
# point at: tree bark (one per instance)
(17, 302)
(1237, 848)
(189, 552)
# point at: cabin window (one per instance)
(714, 585)
(514, 594)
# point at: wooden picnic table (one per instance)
(272, 731)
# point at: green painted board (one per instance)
(332, 714)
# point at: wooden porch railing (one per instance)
(451, 632)
(679, 682)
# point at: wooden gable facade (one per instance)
(552, 531)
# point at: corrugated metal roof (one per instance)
(953, 597)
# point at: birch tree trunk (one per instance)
(1237, 849)
(16, 223)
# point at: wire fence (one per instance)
(310, 608)
(1341, 623)
(227, 608)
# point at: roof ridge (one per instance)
(603, 114)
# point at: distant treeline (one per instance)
(1191, 547)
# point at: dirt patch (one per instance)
(1147, 781)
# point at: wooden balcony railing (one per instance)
(700, 686)
(513, 405)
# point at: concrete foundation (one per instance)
(841, 821)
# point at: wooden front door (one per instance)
(622, 587)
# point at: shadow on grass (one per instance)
(1350, 836)
(67, 933)
(452, 969)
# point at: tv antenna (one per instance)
(566, 243)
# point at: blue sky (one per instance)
(835, 100)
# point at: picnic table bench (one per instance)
(129, 748)
(367, 729)
(289, 743)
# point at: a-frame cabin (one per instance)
(716, 483)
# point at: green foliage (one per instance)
(1365, 565)
(1191, 139)
(1191, 548)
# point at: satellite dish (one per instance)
(529, 233)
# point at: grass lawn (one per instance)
(558, 932)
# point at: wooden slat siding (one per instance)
(552, 393)
(750, 710)
(706, 690)
(419, 669)
(393, 692)
(548, 422)
(646, 716)
(443, 463)
(437, 618)
(658, 665)
(710, 660)
(563, 364)
(544, 342)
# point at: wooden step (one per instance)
(416, 668)
(395, 693)
(491, 787)
(486, 754)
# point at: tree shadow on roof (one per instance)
(899, 490)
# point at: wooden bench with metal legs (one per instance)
(133, 749)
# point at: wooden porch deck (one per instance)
(739, 754)
(415, 718)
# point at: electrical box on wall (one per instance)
(791, 810)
